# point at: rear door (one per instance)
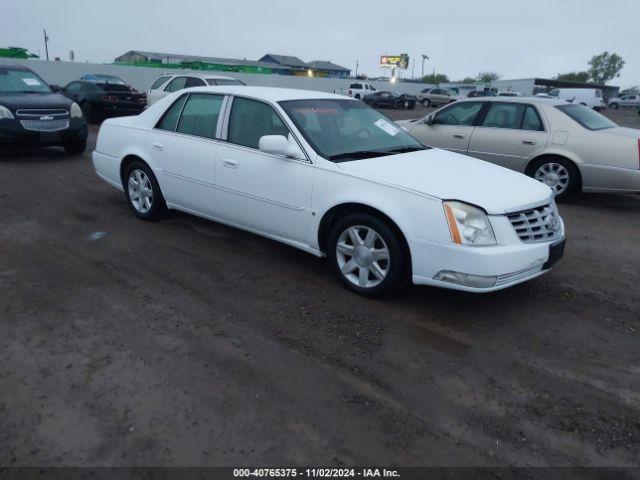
(183, 146)
(452, 127)
(509, 134)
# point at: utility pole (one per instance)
(424, 57)
(46, 47)
(356, 68)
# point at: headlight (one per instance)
(75, 111)
(5, 112)
(469, 225)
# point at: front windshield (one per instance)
(586, 117)
(343, 129)
(21, 81)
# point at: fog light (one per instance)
(466, 279)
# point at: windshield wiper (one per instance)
(359, 154)
(406, 149)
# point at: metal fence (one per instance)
(141, 78)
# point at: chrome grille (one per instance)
(538, 224)
(45, 125)
(39, 112)
(519, 275)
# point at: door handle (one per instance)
(529, 142)
(230, 163)
(458, 135)
(158, 146)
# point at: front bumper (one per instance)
(510, 262)
(13, 134)
(509, 265)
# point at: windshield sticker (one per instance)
(316, 111)
(32, 82)
(387, 127)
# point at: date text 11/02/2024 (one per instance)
(316, 472)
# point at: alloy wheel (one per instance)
(554, 176)
(363, 256)
(140, 191)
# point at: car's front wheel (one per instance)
(614, 105)
(143, 192)
(76, 147)
(367, 255)
(426, 103)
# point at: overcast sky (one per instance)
(516, 38)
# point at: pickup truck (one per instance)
(356, 90)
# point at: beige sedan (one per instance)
(567, 146)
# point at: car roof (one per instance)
(15, 66)
(549, 101)
(196, 74)
(272, 94)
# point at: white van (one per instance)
(589, 97)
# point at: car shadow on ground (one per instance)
(35, 154)
(616, 201)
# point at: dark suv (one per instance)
(31, 114)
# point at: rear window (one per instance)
(588, 118)
(224, 81)
(159, 82)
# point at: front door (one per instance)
(451, 129)
(510, 134)
(183, 149)
(257, 190)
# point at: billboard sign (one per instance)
(395, 61)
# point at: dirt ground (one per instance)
(184, 342)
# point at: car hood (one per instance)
(14, 101)
(451, 176)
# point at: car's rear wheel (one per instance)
(357, 96)
(558, 174)
(426, 103)
(367, 255)
(411, 105)
(614, 105)
(76, 147)
(143, 192)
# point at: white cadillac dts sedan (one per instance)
(332, 176)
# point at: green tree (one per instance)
(468, 80)
(581, 76)
(435, 78)
(487, 77)
(605, 67)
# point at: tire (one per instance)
(614, 105)
(89, 112)
(357, 96)
(76, 147)
(152, 206)
(426, 103)
(412, 105)
(545, 170)
(364, 275)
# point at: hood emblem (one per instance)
(46, 117)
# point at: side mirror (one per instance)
(55, 88)
(280, 145)
(430, 119)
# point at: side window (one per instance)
(250, 120)
(504, 115)
(200, 115)
(72, 88)
(176, 84)
(194, 82)
(531, 120)
(159, 81)
(554, 93)
(169, 120)
(463, 113)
